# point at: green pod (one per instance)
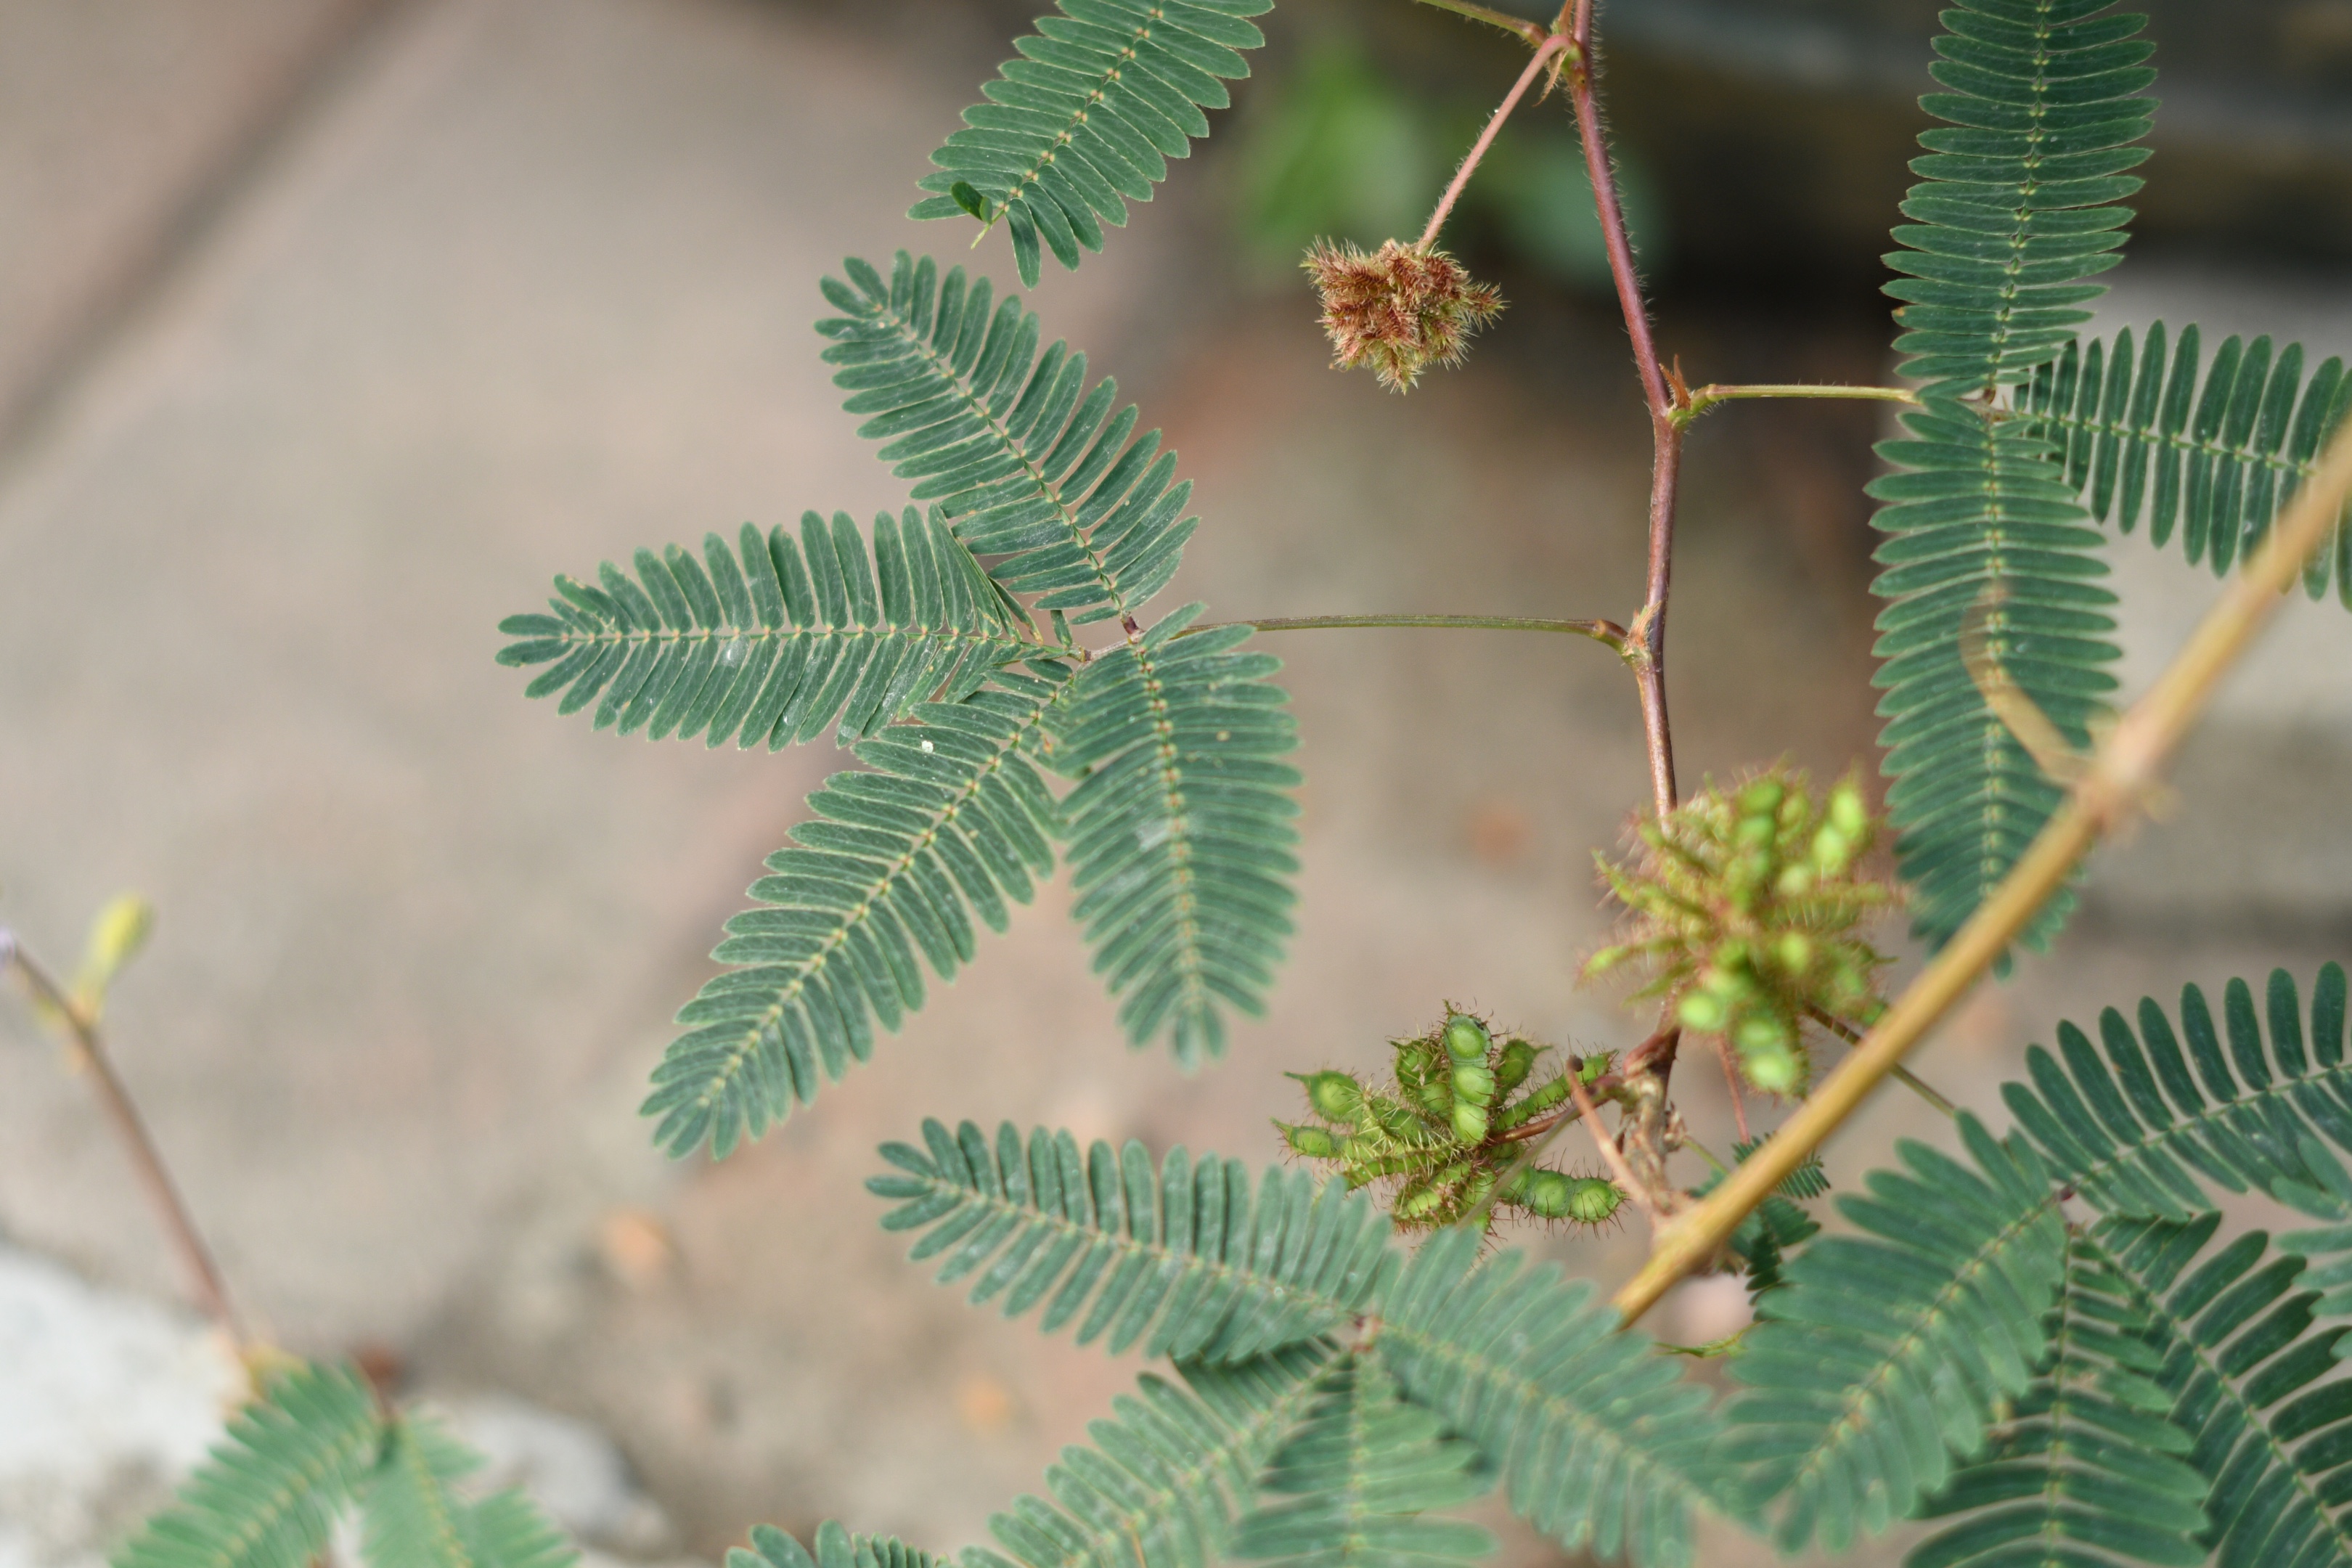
(1518, 1059)
(1847, 812)
(1590, 1068)
(1795, 951)
(1469, 1122)
(1417, 1201)
(1333, 1096)
(1465, 1038)
(1762, 797)
(1543, 1193)
(1593, 1199)
(1775, 1070)
(1703, 1011)
(1315, 1142)
(1473, 1084)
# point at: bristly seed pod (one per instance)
(1747, 907)
(1446, 1132)
(1397, 310)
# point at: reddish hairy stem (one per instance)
(1536, 63)
(1665, 432)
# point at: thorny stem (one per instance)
(2122, 772)
(1699, 400)
(1665, 435)
(1608, 633)
(1647, 634)
(146, 1160)
(1542, 57)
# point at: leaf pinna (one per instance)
(1170, 1472)
(1357, 1475)
(1179, 827)
(1184, 1254)
(1034, 469)
(949, 819)
(2016, 211)
(1102, 94)
(2214, 460)
(2085, 1460)
(775, 640)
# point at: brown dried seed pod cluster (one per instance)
(1397, 310)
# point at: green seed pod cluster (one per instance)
(1439, 1135)
(1746, 906)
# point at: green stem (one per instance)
(1517, 27)
(1706, 397)
(1605, 632)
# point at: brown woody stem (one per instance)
(146, 1160)
(2121, 772)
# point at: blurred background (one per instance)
(330, 330)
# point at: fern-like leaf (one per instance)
(1887, 1351)
(2084, 1469)
(775, 640)
(1179, 829)
(2139, 1124)
(1361, 1472)
(416, 1518)
(2017, 203)
(1033, 467)
(951, 819)
(268, 1495)
(1169, 1472)
(2249, 1374)
(1085, 120)
(1599, 1444)
(2217, 461)
(1183, 1253)
(836, 1547)
(2016, 210)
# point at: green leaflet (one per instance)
(1886, 1354)
(1183, 1252)
(1600, 1445)
(836, 1547)
(951, 819)
(415, 1518)
(1034, 469)
(2250, 1379)
(775, 641)
(2085, 1463)
(1179, 828)
(2016, 210)
(1358, 1474)
(2217, 461)
(1167, 1473)
(268, 1495)
(2139, 1124)
(1102, 94)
